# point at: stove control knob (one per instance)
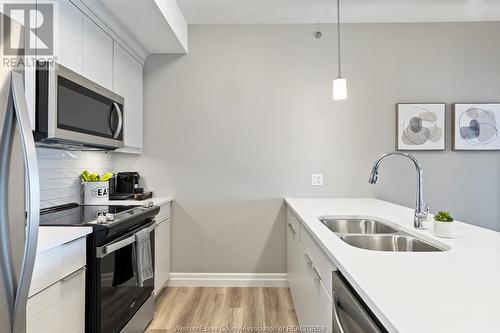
(110, 217)
(148, 204)
(101, 219)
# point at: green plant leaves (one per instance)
(95, 177)
(443, 216)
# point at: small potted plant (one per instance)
(95, 187)
(443, 225)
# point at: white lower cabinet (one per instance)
(312, 301)
(56, 300)
(60, 307)
(162, 248)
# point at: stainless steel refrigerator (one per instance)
(19, 185)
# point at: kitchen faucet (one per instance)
(421, 209)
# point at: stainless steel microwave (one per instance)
(73, 111)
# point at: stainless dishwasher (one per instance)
(350, 314)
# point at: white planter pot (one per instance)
(444, 229)
(95, 193)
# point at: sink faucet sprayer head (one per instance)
(373, 177)
(374, 174)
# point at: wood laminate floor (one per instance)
(228, 310)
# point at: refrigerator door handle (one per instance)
(8, 280)
(33, 202)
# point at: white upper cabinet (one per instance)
(127, 82)
(97, 54)
(70, 44)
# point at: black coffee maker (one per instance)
(124, 185)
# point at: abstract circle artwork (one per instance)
(421, 126)
(476, 126)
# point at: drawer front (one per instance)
(321, 262)
(59, 308)
(293, 222)
(53, 265)
(322, 316)
(164, 212)
(313, 303)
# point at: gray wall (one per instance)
(245, 118)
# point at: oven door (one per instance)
(120, 294)
(77, 110)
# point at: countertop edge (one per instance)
(50, 237)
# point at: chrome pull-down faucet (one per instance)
(421, 209)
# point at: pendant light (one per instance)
(339, 84)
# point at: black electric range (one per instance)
(115, 299)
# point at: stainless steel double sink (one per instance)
(372, 234)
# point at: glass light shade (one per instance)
(339, 88)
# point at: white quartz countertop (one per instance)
(51, 237)
(451, 291)
(157, 201)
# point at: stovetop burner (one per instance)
(122, 218)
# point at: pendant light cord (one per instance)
(338, 36)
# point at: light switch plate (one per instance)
(316, 179)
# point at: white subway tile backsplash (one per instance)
(55, 164)
(49, 173)
(60, 173)
(49, 194)
(93, 164)
(70, 173)
(60, 183)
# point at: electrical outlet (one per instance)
(316, 180)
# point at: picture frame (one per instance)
(421, 126)
(475, 126)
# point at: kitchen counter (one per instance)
(157, 201)
(451, 291)
(51, 237)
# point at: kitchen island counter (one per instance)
(456, 290)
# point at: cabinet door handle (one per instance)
(315, 272)
(73, 275)
(290, 226)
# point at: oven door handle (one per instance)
(105, 250)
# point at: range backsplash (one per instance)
(60, 173)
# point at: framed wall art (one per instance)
(475, 126)
(420, 126)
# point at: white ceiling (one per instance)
(156, 24)
(324, 11)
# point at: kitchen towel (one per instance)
(144, 260)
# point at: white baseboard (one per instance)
(228, 280)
